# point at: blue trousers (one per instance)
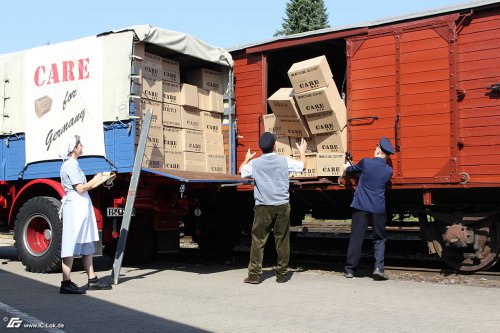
(360, 221)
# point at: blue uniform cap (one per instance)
(386, 146)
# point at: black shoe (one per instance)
(99, 285)
(252, 279)
(72, 288)
(349, 275)
(378, 275)
(281, 278)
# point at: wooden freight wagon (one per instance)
(430, 83)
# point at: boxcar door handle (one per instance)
(370, 121)
(396, 133)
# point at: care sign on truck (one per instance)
(63, 86)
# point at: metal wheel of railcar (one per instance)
(466, 247)
(38, 234)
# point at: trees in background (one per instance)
(302, 16)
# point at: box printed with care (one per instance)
(285, 109)
(319, 100)
(310, 74)
(311, 145)
(170, 70)
(311, 168)
(174, 159)
(171, 92)
(171, 115)
(330, 164)
(331, 142)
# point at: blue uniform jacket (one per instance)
(375, 173)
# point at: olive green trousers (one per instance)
(267, 218)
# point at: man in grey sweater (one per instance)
(272, 208)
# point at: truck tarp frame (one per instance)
(182, 43)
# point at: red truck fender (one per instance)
(40, 184)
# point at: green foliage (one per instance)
(302, 16)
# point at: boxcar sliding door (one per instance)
(402, 87)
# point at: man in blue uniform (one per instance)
(368, 207)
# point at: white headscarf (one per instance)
(67, 147)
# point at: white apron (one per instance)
(79, 225)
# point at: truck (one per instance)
(427, 81)
(95, 87)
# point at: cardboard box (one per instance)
(190, 118)
(171, 92)
(332, 142)
(170, 70)
(174, 159)
(195, 161)
(171, 115)
(330, 164)
(311, 145)
(214, 143)
(172, 139)
(189, 95)
(211, 122)
(155, 134)
(215, 102)
(192, 140)
(151, 67)
(272, 124)
(311, 168)
(310, 74)
(152, 89)
(283, 147)
(294, 127)
(206, 79)
(155, 107)
(155, 137)
(216, 163)
(318, 100)
(285, 109)
(140, 49)
(326, 122)
(203, 99)
(153, 157)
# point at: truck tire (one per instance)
(38, 234)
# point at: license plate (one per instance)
(118, 212)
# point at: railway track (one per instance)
(404, 260)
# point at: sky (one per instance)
(222, 23)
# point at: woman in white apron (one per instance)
(79, 222)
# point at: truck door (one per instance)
(402, 87)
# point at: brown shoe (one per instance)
(252, 279)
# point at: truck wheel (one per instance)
(38, 235)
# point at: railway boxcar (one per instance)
(430, 83)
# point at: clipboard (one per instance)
(107, 178)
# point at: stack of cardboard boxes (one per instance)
(186, 126)
(313, 110)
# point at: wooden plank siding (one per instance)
(425, 104)
(371, 93)
(421, 96)
(479, 112)
(248, 95)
